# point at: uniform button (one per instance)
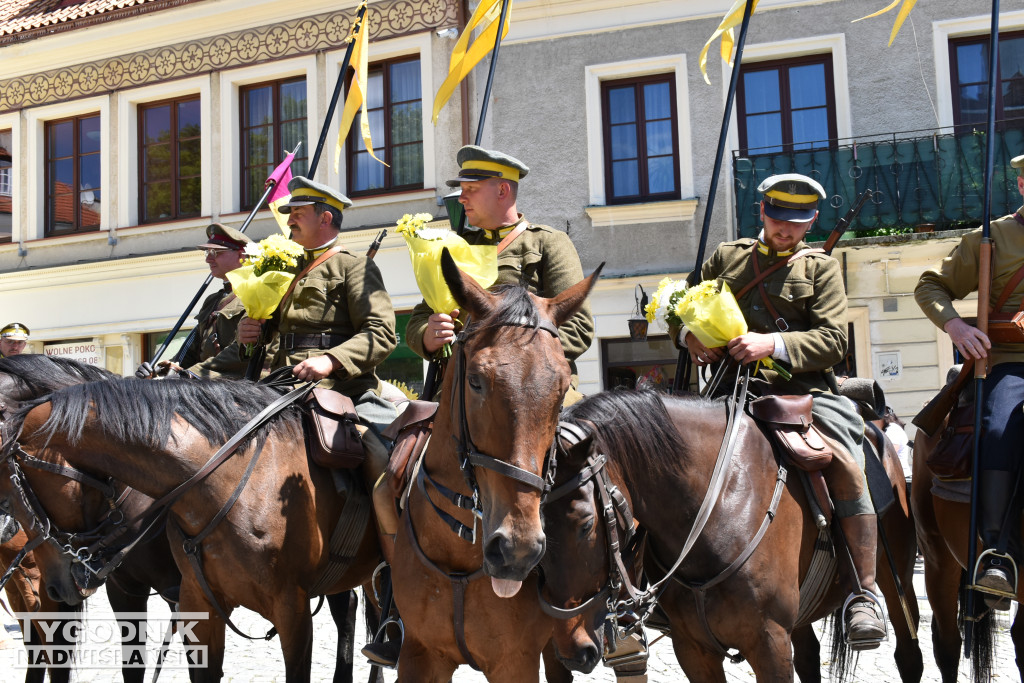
(757, 308)
(790, 297)
(302, 281)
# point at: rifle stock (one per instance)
(932, 415)
(845, 221)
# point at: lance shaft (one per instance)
(682, 377)
(984, 292)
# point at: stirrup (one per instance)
(629, 658)
(867, 643)
(380, 638)
(375, 580)
(992, 591)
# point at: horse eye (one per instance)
(586, 527)
(474, 382)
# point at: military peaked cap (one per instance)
(305, 192)
(15, 331)
(223, 237)
(477, 163)
(791, 197)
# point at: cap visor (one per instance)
(465, 178)
(789, 215)
(286, 208)
(211, 245)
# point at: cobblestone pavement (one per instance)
(260, 661)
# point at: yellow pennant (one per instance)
(732, 18)
(900, 17)
(356, 99)
(466, 56)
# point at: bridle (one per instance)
(470, 457)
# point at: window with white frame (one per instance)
(273, 119)
(73, 177)
(6, 194)
(170, 171)
(968, 62)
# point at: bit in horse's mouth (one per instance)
(82, 577)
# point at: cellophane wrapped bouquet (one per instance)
(263, 278)
(425, 247)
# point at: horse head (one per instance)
(51, 508)
(575, 585)
(506, 386)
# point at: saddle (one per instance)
(950, 459)
(331, 435)
(410, 433)
(787, 422)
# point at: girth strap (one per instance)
(25, 550)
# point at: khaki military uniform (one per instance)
(343, 297)
(956, 276)
(809, 296)
(543, 259)
(212, 352)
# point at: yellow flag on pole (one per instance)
(465, 55)
(732, 19)
(356, 100)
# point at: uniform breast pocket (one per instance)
(520, 268)
(315, 298)
(791, 290)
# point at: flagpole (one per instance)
(490, 73)
(981, 367)
(682, 378)
(209, 278)
(434, 368)
(315, 161)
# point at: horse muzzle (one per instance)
(511, 560)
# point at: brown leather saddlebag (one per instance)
(410, 433)
(951, 457)
(1007, 329)
(331, 430)
(787, 419)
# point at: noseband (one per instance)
(471, 457)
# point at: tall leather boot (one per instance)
(865, 623)
(996, 572)
(387, 643)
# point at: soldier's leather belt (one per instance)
(323, 340)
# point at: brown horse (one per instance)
(660, 455)
(272, 545)
(472, 533)
(942, 534)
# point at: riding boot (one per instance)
(387, 642)
(865, 625)
(996, 572)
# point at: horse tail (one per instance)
(982, 634)
(843, 660)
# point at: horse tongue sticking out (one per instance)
(505, 588)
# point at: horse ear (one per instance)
(563, 306)
(576, 443)
(470, 296)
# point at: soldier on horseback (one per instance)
(955, 277)
(797, 314)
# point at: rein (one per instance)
(99, 550)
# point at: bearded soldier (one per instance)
(797, 315)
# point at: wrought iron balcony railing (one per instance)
(931, 178)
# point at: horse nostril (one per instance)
(499, 549)
(52, 592)
(591, 658)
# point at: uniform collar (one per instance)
(501, 232)
(768, 251)
(313, 254)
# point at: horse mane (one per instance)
(141, 412)
(43, 374)
(515, 308)
(634, 427)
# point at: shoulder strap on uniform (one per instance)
(511, 237)
(760, 275)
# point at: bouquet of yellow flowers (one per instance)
(425, 247)
(663, 305)
(264, 276)
(711, 312)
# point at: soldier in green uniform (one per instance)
(540, 257)
(803, 324)
(337, 325)
(955, 277)
(211, 352)
(13, 338)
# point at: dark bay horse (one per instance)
(271, 546)
(471, 534)
(942, 534)
(660, 454)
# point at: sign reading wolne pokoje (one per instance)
(84, 351)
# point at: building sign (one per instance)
(84, 351)
(889, 365)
